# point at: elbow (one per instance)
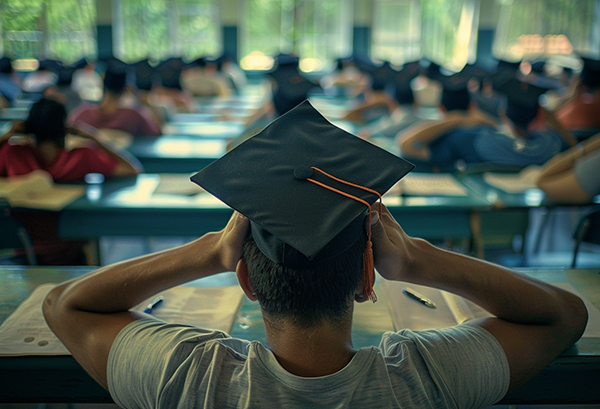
(51, 304)
(575, 318)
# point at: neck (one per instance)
(315, 351)
(48, 150)
(109, 103)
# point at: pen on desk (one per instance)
(153, 303)
(419, 297)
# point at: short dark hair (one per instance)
(309, 295)
(46, 121)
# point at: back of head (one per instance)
(306, 296)
(47, 121)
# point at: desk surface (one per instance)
(130, 206)
(176, 153)
(571, 378)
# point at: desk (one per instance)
(572, 378)
(176, 153)
(214, 129)
(128, 207)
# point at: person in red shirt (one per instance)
(47, 123)
(112, 114)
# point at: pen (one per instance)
(419, 297)
(153, 304)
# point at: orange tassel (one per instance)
(368, 272)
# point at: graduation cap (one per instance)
(455, 92)
(306, 186)
(169, 72)
(403, 91)
(115, 79)
(5, 65)
(145, 75)
(590, 73)
(522, 100)
(382, 76)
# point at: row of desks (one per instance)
(136, 207)
(573, 378)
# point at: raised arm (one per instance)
(87, 313)
(535, 321)
(557, 178)
(127, 165)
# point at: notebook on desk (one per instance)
(25, 331)
(452, 309)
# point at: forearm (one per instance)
(415, 141)
(506, 294)
(119, 287)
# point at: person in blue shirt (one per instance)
(470, 138)
(9, 90)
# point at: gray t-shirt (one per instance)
(153, 364)
(587, 173)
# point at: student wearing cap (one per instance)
(9, 88)
(514, 144)
(583, 110)
(46, 122)
(304, 249)
(573, 176)
(112, 112)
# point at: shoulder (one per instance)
(152, 360)
(464, 364)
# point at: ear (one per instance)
(241, 270)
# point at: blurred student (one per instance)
(573, 176)
(583, 110)
(460, 137)
(112, 113)
(47, 152)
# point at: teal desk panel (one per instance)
(176, 153)
(130, 208)
(573, 378)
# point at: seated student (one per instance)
(46, 122)
(202, 79)
(299, 250)
(459, 137)
(9, 88)
(583, 110)
(112, 114)
(573, 176)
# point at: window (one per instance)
(397, 31)
(530, 28)
(319, 31)
(160, 29)
(57, 29)
(444, 31)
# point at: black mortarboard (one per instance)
(169, 72)
(115, 79)
(5, 65)
(270, 178)
(590, 73)
(382, 76)
(403, 91)
(145, 75)
(455, 92)
(522, 100)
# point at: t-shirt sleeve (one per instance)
(587, 171)
(141, 362)
(467, 364)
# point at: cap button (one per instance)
(303, 172)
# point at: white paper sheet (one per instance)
(25, 331)
(429, 184)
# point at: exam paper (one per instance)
(453, 309)
(429, 184)
(37, 190)
(25, 331)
